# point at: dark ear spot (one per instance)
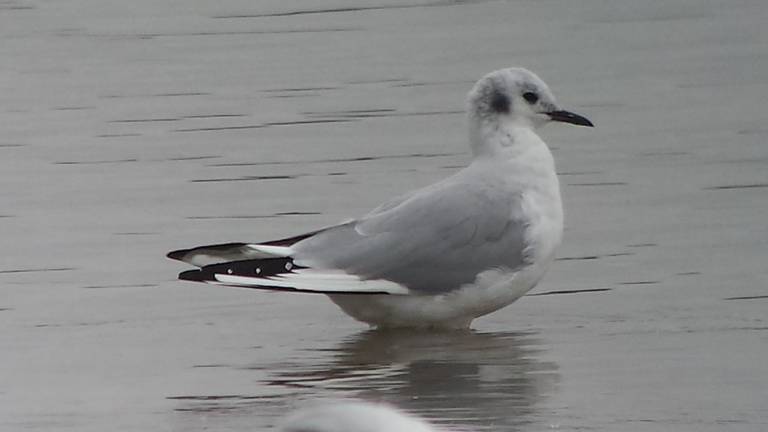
(500, 102)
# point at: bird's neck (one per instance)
(503, 139)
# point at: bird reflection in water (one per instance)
(472, 378)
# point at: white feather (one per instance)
(319, 281)
(272, 251)
(353, 417)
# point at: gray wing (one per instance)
(432, 240)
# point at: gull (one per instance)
(439, 256)
(353, 417)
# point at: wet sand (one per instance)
(136, 128)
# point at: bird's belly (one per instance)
(492, 290)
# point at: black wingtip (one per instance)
(177, 254)
(195, 276)
(249, 268)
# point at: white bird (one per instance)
(353, 417)
(439, 256)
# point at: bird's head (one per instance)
(517, 96)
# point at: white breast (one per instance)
(531, 169)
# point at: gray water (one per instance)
(133, 128)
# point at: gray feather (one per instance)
(432, 240)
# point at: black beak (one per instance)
(569, 117)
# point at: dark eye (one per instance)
(531, 97)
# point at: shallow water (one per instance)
(136, 128)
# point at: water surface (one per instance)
(131, 129)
